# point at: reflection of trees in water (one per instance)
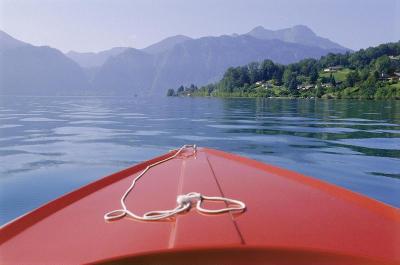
(326, 120)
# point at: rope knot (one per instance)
(188, 198)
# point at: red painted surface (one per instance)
(290, 219)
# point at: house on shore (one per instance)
(393, 77)
(305, 87)
(263, 84)
(332, 69)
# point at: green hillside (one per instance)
(371, 73)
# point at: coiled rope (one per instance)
(184, 202)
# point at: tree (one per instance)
(306, 66)
(368, 88)
(325, 79)
(332, 80)
(233, 79)
(193, 87)
(287, 77)
(170, 92)
(253, 72)
(313, 76)
(278, 74)
(319, 90)
(243, 77)
(293, 85)
(227, 82)
(290, 80)
(180, 90)
(268, 70)
(352, 78)
(382, 64)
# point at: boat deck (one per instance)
(289, 217)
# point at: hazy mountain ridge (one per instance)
(200, 61)
(94, 59)
(171, 62)
(32, 70)
(97, 59)
(298, 34)
(127, 73)
(8, 42)
(166, 44)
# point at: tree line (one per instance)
(371, 73)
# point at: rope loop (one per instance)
(184, 201)
(115, 215)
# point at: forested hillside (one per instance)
(371, 73)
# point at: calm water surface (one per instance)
(50, 146)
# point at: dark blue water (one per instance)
(50, 146)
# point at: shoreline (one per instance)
(309, 98)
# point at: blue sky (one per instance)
(93, 25)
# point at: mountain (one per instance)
(298, 34)
(174, 61)
(130, 72)
(204, 60)
(8, 42)
(198, 61)
(30, 70)
(94, 59)
(166, 44)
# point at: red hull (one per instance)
(289, 219)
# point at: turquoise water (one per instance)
(52, 145)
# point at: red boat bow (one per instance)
(289, 219)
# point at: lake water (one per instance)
(52, 145)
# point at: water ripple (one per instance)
(51, 145)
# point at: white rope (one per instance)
(184, 202)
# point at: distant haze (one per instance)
(95, 25)
(41, 70)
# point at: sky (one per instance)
(95, 25)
